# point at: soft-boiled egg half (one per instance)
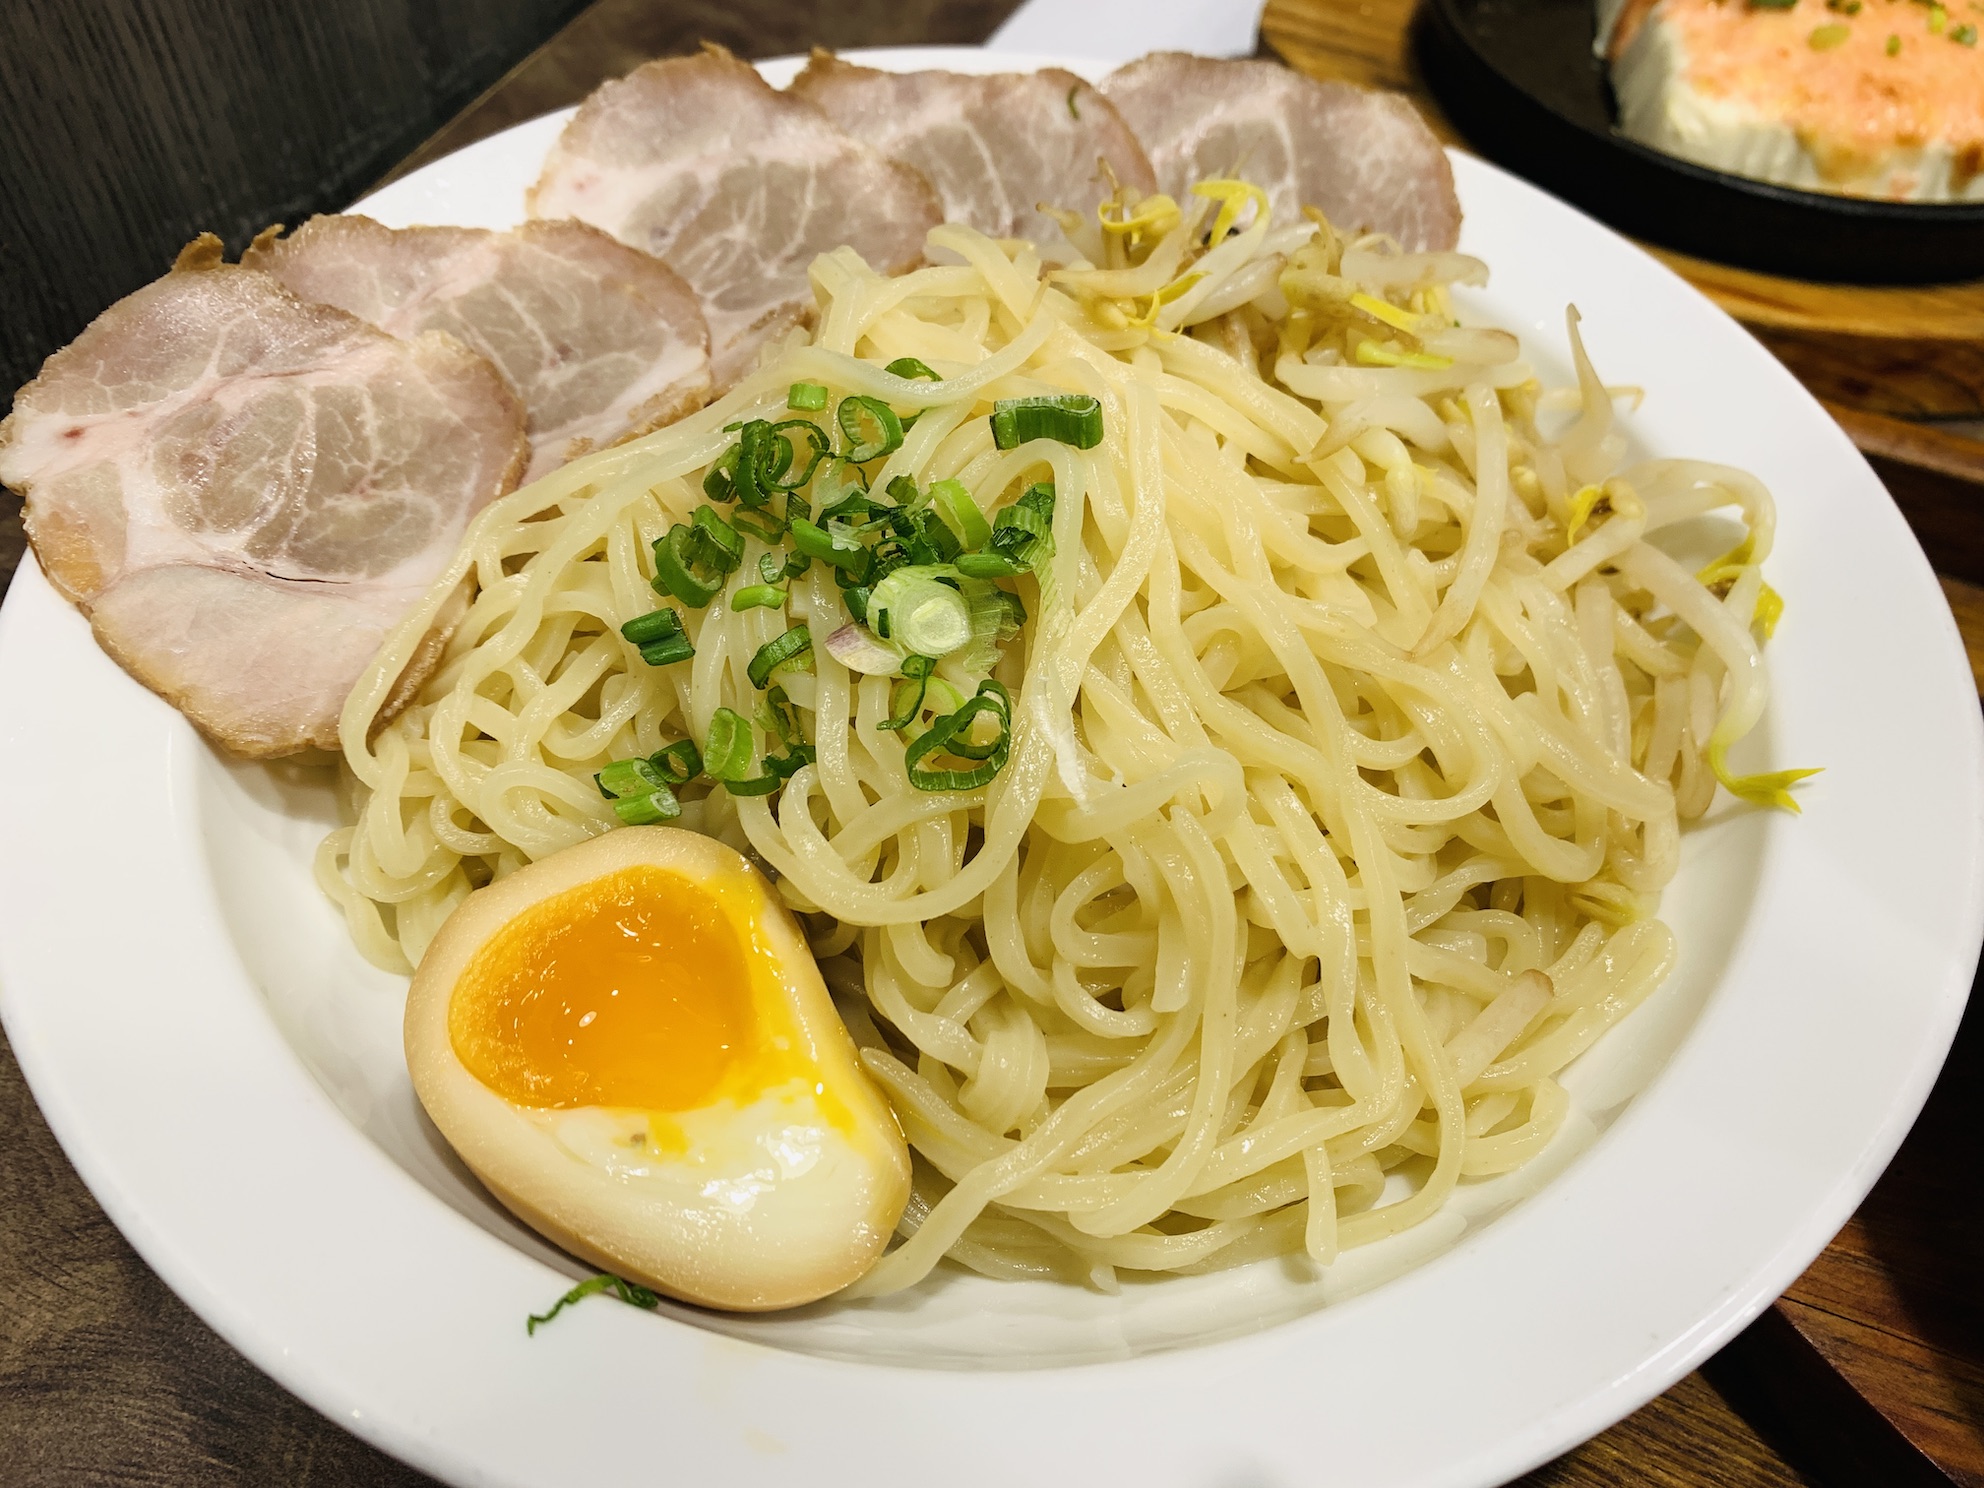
(631, 1046)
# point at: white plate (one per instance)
(224, 1070)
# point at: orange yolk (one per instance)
(631, 990)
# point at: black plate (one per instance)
(1519, 80)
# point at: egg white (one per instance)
(770, 1201)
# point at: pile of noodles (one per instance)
(1353, 726)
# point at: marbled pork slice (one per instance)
(1366, 159)
(995, 147)
(245, 491)
(601, 341)
(737, 187)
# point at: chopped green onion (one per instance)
(903, 489)
(678, 763)
(996, 618)
(817, 438)
(626, 1291)
(762, 525)
(870, 427)
(656, 625)
(906, 704)
(1066, 418)
(627, 777)
(720, 480)
(988, 566)
(856, 506)
(838, 482)
(949, 735)
(786, 650)
(776, 717)
(668, 651)
(727, 746)
(829, 547)
(914, 607)
(694, 559)
(785, 766)
(808, 395)
(650, 810)
(1024, 531)
(856, 600)
(721, 537)
(763, 456)
(639, 792)
(911, 368)
(758, 597)
(954, 502)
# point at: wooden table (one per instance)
(106, 1377)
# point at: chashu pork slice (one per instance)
(1366, 159)
(995, 147)
(737, 187)
(245, 491)
(602, 342)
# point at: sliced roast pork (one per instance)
(738, 187)
(995, 147)
(600, 340)
(1366, 159)
(245, 491)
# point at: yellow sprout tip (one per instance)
(1769, 610)
(1391, 315)
(1772, 788)
(1231, 196)
(1373, 355)
(1582, 506)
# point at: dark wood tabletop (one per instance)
(107, 1378)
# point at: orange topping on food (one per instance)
(1830, 74)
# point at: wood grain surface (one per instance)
(132, 125)
(106, 1378)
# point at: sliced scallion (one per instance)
(1024, 531)
(818, 448)
(988, 566)
(758, 597)
(811, 396)
(829, 546)
(691, 565)
(678, 763)
(957, 508)
(639, 792)
(656, 625)
(950, 735)
(727, 746)
(907, 702)
(915, 608)
(794, 648)
(912, 369)
(626, 1291)
(870, 428)
(776, 716)
(1066, 418)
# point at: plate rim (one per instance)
(48, 1064)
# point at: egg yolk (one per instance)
(630, 990)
